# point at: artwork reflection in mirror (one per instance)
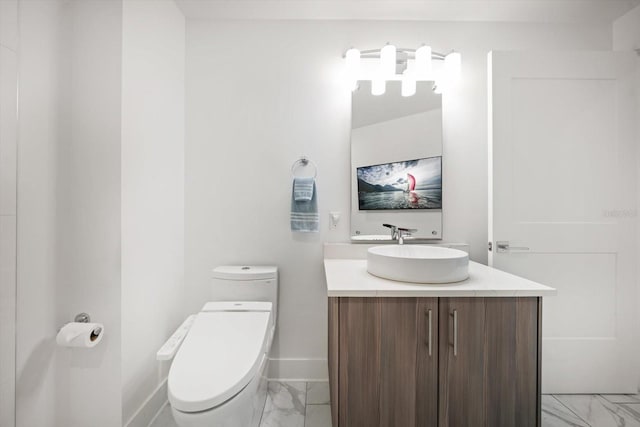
(396, 161)
(410, 184)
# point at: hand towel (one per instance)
(303, 189)
(304, 212)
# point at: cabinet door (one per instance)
(359, 362)
(398, 373)
(511, 362)
(381, 382)
(334, 359)
(427, 363)
(461, 340)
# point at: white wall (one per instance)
(69, 210)
(39, 139)
(8, 160)
(88, 211)
(626, 31)
(260, 94)
(101, 133)
(152, 193)
(88, 203)
(626, 36)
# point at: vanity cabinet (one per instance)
(446, 362)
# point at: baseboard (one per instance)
(298, 369)
(150, 408)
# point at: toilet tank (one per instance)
(246, 283)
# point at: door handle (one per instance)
(455, 332)
(503, 246)
(429, 333)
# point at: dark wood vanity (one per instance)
(435, 361)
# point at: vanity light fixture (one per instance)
(408, 87)
(388, 55)
(424, 67)
(406, 65)
(378, 86)
(352, 58)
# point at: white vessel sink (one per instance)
(418, 263)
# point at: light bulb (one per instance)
(423, 62)
(408, 84)
(352, 61)
(388, 60)
(378, 86)
(452, 65)
(437, 87)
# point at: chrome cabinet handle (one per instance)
(429, 336)
(503, 246)
(455, 332)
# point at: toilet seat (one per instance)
(221, 354)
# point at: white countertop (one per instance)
(349, 278)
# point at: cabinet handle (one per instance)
(455, 332)
(429, 339)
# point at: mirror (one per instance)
(396, 162)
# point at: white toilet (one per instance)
(218, 376)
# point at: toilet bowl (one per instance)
(218, 376)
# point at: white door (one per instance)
(562, 193)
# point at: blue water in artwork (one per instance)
(418, 199)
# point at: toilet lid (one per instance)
(219, 357)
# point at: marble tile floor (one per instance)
(289, 404)
(306, 404)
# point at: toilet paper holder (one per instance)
(82, 318)
(85, 318)
(80, 332)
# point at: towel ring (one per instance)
(303, 162)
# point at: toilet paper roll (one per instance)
(75, 334)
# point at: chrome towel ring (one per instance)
(303, 163)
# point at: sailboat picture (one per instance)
(409, 184)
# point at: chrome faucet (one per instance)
(394, 231)
(404, 232)
(399, 233)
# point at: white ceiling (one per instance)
(568, 11)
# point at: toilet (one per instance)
(218, 376)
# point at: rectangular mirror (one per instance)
(396, 162)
